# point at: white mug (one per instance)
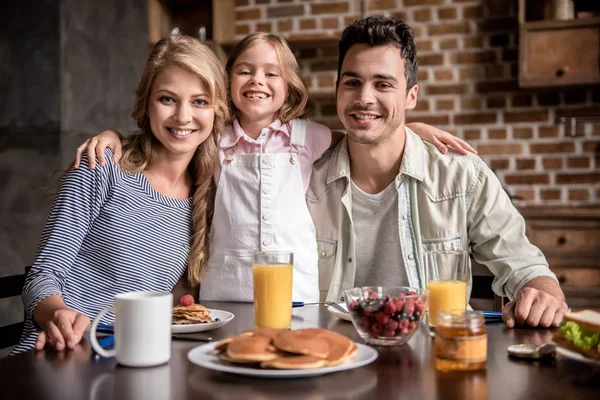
(142, 329)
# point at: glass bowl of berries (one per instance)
(386, 316)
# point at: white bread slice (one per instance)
(587, 320)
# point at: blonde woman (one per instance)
(140, 224)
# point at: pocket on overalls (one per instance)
(306, 275)
(231, 280)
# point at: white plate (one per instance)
(206, 356)
(576, 356)
(345, 317)
(224, 316)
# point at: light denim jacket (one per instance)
(446, 202)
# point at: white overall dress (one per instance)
(260, 206)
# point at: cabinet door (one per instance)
(561, 55)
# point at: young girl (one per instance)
(264, 166)
(126, 227)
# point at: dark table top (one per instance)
(399, 372)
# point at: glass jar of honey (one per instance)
(460, 341)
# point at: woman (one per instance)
(137, 225)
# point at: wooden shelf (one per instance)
(554, 53)
(216, 16)
(556, 24)
(311, 41)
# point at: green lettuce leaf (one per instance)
(584, 340)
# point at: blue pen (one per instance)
(105, 328)
(105, 343)
(302, 304)
(492, 314)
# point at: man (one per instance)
(383, 197)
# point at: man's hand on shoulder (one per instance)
(541, 303)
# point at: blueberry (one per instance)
(411, 318)
(404, 315)
(417, 315)
(216, 320)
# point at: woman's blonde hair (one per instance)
(297, 104)
(140, 149)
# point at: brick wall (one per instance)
(468, 68)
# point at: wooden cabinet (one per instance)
(570, 240)
(556, 52)
(217, 17)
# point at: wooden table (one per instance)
(399, 372)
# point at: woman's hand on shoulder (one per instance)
(64, 330)
(440, 138)
(95, 147)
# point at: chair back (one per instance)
(11, 286)
(482, 296)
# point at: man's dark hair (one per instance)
(378, 30)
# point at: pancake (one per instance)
(294, 362)
(353, 351)
(244, 349)
(221, 345)
(192, 314)
(340, 346)
(302, 342)
(224, 357)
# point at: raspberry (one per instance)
(404, 324)
(382, 317)
(409, 306)
(186, 300)
(364, 322)
(399, 304)
(388, 333)
(389, 307)
(419, 306)
(391, 325)
(412, 325)
(376, 329)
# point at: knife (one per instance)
(191, 336)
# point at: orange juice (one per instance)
(446, 295)
(272, 295)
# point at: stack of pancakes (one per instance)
(192, 314)
(287, 349)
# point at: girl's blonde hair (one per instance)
(297, 104)
(140, 149)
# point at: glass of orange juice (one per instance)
(447, 274)
(272, 273)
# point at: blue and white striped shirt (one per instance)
(108, 232)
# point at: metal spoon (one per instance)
(532, 352)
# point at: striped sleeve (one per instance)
(81, 193)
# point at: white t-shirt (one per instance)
(378, 253)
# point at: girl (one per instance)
(264, 166)
(126, 227)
